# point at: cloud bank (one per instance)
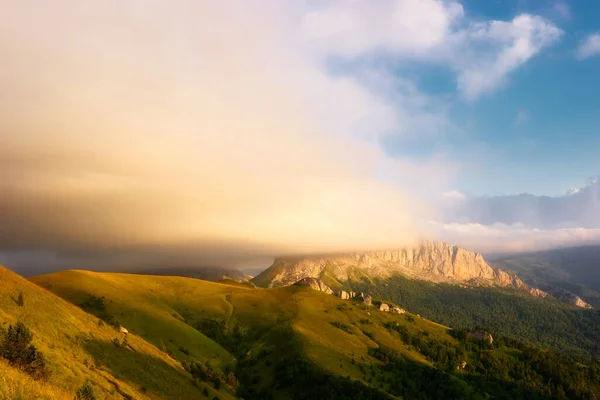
(176, 132)
(523, 222)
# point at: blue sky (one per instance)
(540, 131)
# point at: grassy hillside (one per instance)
(300, 343)
(158, 308)
(79, 347)
(17, 385)
(166, 310)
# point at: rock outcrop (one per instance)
(368, 300)
(384, 307)
(569, 297)
(482, 336)
(314, 284)
(431, 261)
(344, 295)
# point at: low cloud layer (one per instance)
(168, 133)
(523, 222)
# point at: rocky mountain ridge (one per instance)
(568, 297)
(436, 261)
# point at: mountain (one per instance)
(452, 286)
(431, 261)
(571, 273)
(79, 347)
(301, 343)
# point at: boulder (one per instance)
(398, 310)
(482, 336)
(384, 307)
(315, 284)
(368, 300)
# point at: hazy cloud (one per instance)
(562, 9)
(522, 117)
(136, 133)
(589, 47)
(186, 131)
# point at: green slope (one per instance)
(296, 342)
(154, 307)
(78, 346)
(543, 322)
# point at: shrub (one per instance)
(232, 380)
(184, 350)
(85, 392)
(342, 326)
(16, 347)
(205, 391)
(20, 299)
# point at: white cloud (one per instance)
(589, 47)
(411, 27)
(482, 53)
(523, 222)
(489, 51)
(514, 237)
(453, 194)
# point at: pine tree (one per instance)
(16, 347)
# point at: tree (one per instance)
(16, 347)
(20, 299)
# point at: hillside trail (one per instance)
(231, 309)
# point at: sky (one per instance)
(147, 133)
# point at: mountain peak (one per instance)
(434, 261)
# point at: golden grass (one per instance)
(16, 385)
(156, 308)
(78, 347)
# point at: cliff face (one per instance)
(431, 261)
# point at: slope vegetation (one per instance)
(79, 347)
(294, 342)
